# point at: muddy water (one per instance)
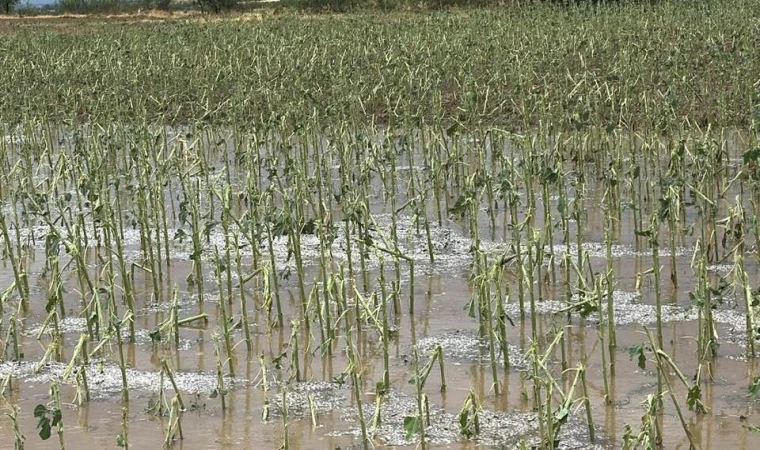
(441, 291)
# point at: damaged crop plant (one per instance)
(532, 226)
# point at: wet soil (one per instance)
(321, 407)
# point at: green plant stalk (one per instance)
(175, 316)
(605, 376)
(351, 355)
(243, 303)
(126, 279)
(323, 226)
(654, 229)
(174, 424)
(285, 438)
(356, 381)
(386, 336)
(487, 302)
(56, 394)
(225, 212)
(177, 393)
(420, 395)
(609, 280)
(295, 363)
(273, 276)
(516, 238)
(79, 356)
(749, 305)
(50, 351)
(12, 335)
(658, 360)
(158, 410)
(314, 298)
(548, 437)
(501, 315)
(362, 233)
(376, 417)
(469, 423)
(191, 202)
(225, 317)
(529, 282)
(220, 389)
(18, 271)
(578, 216)
(549, 231)
(423, 374)
(537, 389)
(18, 437)
(294, 234)
(265, 388)
(312, 412)
(587, 404)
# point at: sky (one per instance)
(37, 2)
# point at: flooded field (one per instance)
(207, 288)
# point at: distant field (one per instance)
(673, 64)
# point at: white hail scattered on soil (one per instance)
(77, 325)
(629, 311)
(496, 428)
(466, 345)
(325, 396)
(720, 269)
(104, 380)
(451, 248)
(599, 250)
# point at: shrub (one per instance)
(216, 6)
(96, 6)
(8, 5)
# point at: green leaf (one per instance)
(637, 351)
(180, 235)
(754, 388)
(610, 127)
(340, 380)
(44, 426)
(277, 362)
(453, 130)
(57, 416)
(121, 442)
(460, 207)
(695, 300)
(39, 410)
(183, 212)
(208, 227)
(664, 211)
(196, 255)
(463, 421)
(52, 245)
(412, 426)
(694, 399)
(155, 335)
(751, 155)
(562, 414)
(585, 308)
(549, 175)
(310, 227)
